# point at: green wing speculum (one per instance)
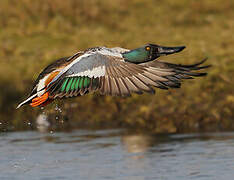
(74, 86)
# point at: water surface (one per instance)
(115, 154)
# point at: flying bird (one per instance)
(111, 71)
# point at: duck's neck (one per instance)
(136, 56)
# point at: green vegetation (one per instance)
(35, 33)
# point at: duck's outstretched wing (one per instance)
(180, 72)
(112, 76)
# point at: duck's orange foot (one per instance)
(40, 100)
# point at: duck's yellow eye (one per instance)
(147, 48)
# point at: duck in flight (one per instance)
(111, 71)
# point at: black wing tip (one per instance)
(202, 62)
(184, 72)
(196, 65)
(193, 69)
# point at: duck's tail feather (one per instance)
(35, 100)
(28, 100)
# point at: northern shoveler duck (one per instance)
(111, 71)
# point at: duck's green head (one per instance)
(149, 52)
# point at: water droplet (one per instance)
(29, 123)
(57, 108)
(56, 117)
(0, 123)
(51, 132)
(15, 165)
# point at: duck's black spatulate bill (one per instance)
(169, 50)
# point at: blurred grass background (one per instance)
(35, 33)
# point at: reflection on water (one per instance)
(116, 154)
(42, 123)
(137, 143)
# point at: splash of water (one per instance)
(42, 123)
(57, 108)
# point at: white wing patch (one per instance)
(41, 85)
(119, 50)
(109, 52)
(95, 72)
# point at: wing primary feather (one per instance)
(183, 76)
(122, 72)
(146, 87)
(114, 87)
(117, 84)
(192, 73)
(160, 72)
(109, 71)
(109, 82)
(91, 85)
(139, 84)
(162, 85)
(102, 84)
(194, 65)
(127, 91)
(156, 77)
(135, 68)
(147, 80)
(129, 70)
(95, 83)
(131, 85)
(106, 85)
(114, 72)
